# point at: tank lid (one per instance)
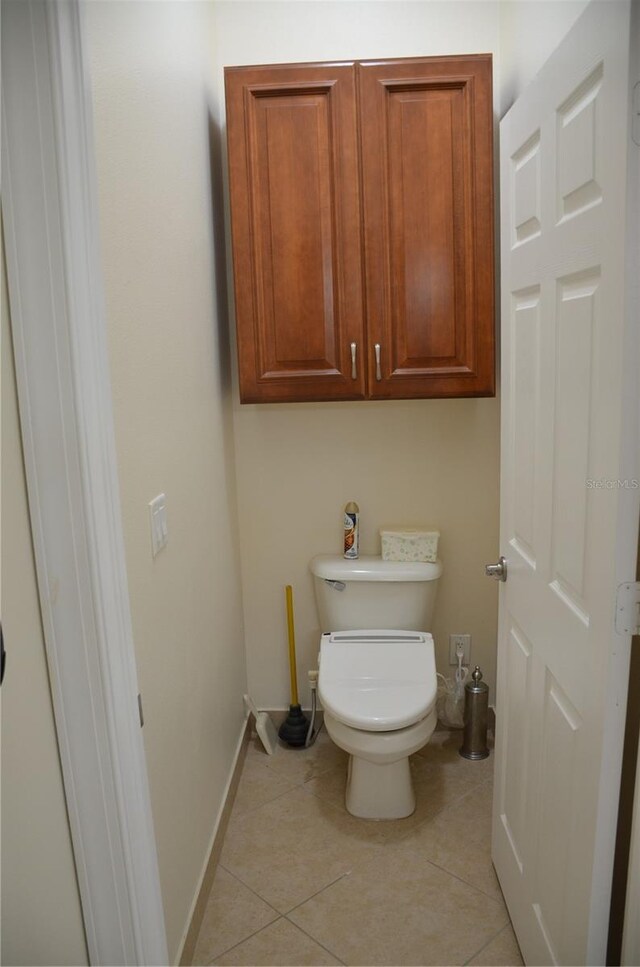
(371, 568)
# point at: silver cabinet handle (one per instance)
(354, 368)
(497, 571)
(376, 349)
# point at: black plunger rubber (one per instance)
(294, 729)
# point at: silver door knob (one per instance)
(497, 571)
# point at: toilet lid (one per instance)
(377, 681)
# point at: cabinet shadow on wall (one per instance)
(219, 249)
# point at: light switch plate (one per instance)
(158, 521)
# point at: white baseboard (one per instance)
(205, 879)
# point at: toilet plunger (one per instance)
(294, 729)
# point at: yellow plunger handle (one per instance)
(292, 646)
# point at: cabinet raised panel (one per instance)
(295, 209)
(362, 217)
(428, 225)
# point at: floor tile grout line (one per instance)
(282, 916)
(286, 916)
(364, 860)
(295, 784)
(461, 879)
(253, 809)
(488, 943)
(318, 892)
(299, 782)
(311, 937)
(251, 890)
(228, 950)
(329, 802)
(446, 807)
(427, 819)
(279, 916)
(297, 905)
(392, 841)
(282, 775)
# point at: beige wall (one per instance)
(432, 461)
(41, 915)
(529, 31)
(423, 461)
(171, 388)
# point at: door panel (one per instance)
(426, 165)
(575, 319)
(296, 240)
(513, 797)
(562, 668)
(578, 187)
(525, 322)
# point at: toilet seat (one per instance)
(377, 680)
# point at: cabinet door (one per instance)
(427, 176)
(294, 186)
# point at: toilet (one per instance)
(377, 674)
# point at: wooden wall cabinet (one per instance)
(362, 224)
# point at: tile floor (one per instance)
(300, 881)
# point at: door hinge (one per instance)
(140, 713)
(628, 608)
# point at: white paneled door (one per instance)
(569, 520)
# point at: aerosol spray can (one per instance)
(351, 530)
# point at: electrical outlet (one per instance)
(456, 641)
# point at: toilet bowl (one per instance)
(379, 782)
(378, 691)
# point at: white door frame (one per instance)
(631, 928)
(49, 201)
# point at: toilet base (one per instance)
(379, 790)
(379, 782)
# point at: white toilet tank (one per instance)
(372, 593)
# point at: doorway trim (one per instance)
(50, 213)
